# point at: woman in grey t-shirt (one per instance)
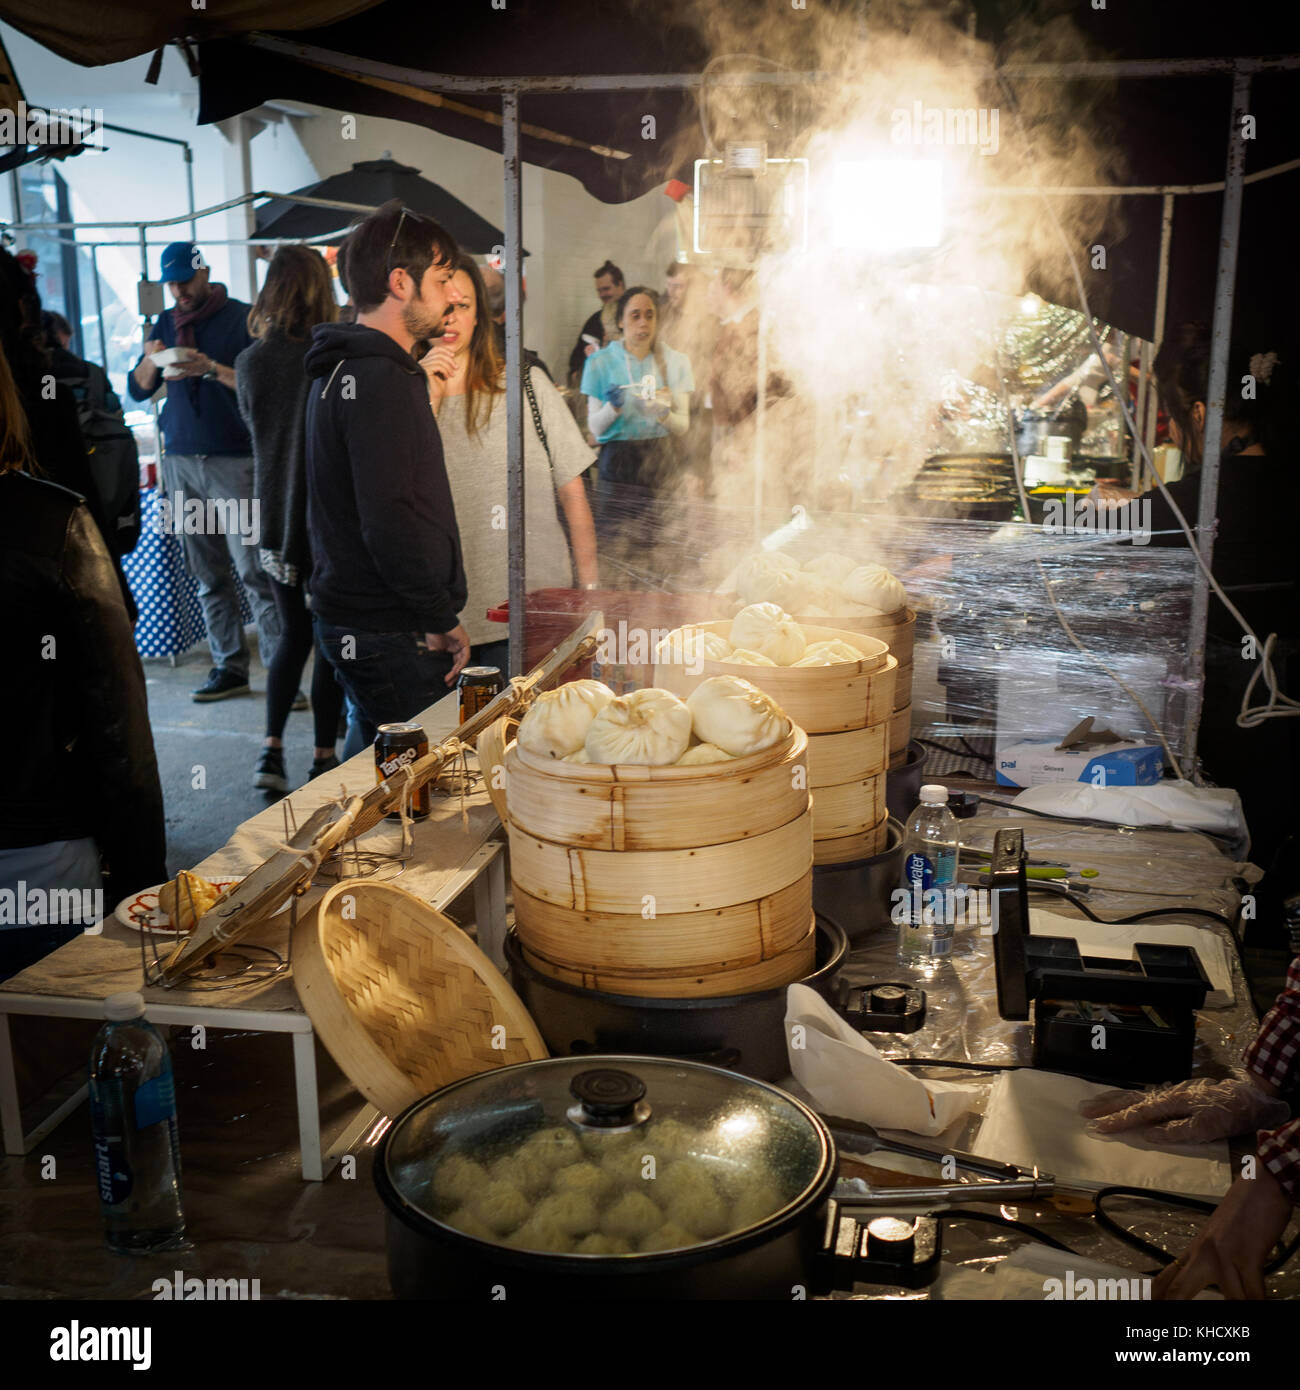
(467, 393)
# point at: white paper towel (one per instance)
(1033, 1117)
(846, 1076)
(1116, 942)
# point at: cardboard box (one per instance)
(1115, 765)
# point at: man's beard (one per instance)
(419, 322)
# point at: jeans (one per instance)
(210, 552)
(391, 677)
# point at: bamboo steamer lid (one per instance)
(403, 1000)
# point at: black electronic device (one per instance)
(882, 1008)
(1116, 1020)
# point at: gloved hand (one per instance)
(614, 397)
(1192, 1112)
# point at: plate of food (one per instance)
(173, 356)
(172, 908)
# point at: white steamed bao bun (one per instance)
(741, 657)
(703, 753)
(736, 716)
(767, 629)
(829, 653)
(557, 723)
(831, 568)
(874, 586)
(646, 728)
(769, 576)
(690, 646)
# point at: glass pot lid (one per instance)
(606, 1156)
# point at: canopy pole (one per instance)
(1215, 396)
(513, 270)
(1162, 304)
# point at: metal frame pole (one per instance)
(99, 303)
(1162, 304)
(513, 271)
(1216, 394)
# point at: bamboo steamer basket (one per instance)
(655, 877)
(898, 632)
(401, 997)
(793, 963)
(845, 709)
(624, 808)
(900, 734)
(846, 849)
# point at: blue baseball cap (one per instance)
(179, 262)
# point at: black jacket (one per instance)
(76, 751)
(385, 547)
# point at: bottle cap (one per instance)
(118, 1008)
(932, 794)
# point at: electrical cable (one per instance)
(1173, 1199)
(1247, 718)
(1136, 917)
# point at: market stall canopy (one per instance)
(372, 182)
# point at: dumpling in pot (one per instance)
(672, 1138)
(627, 1166)
(755, 1204)
(769, 630)
(457, 1178)
(500, 1207)
(680, 1178)
(668, 1237)
(597, 1244)
(632, 1217)
(465, 1219)
(557, 721)
(555, 1147)
(539, 1234)
(574, 1213)
(700, 1211)
(526, 1171)
(587, 1178)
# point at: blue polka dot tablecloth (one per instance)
(167, 595)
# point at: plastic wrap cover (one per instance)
(1137, 870)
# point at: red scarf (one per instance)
(184, 322)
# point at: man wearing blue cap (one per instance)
(209, 461)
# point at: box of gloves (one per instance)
(1098, 757)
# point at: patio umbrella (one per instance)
(372, 182)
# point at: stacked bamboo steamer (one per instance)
(664, 882)
(847, 711)
(898, 632)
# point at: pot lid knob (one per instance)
(608, 1096)
(889, 999)
(891, 1238)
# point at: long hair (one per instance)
(297, 295)
(1182, 369)
(484, 369)
(15, 442)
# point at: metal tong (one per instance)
(1008, 1182)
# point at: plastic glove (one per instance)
(614, 397)
(1192, 1112)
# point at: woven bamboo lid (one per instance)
(402, 998)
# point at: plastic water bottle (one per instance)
(929, 863)
(133, 1113)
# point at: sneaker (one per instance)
(221, 685)
(319, 765)
(270, 771)
(300, 702)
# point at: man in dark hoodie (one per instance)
(388, 582)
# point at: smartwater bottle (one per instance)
(133, 1114)
(929, 863)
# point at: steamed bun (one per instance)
(767, 629)
(500, 1207)
(691, 646)
(703, 753)
(829, 653)
(876, 588)
(736, 716)
(769, 576)
(647, 728)
(457, 1178)
(633, 1217)
(739, 656)
(831, 567)
(557, 721)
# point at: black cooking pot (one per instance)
(742, 1032)
(548, 1180)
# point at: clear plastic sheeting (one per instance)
(1137, 870)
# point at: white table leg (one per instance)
(490, 907)
(304, 1080)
